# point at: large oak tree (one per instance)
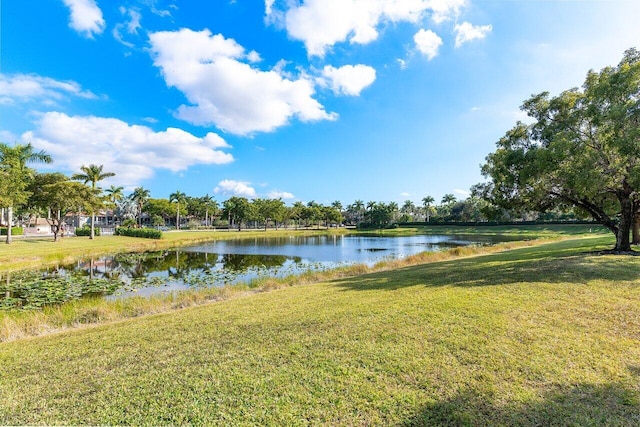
(582, 150)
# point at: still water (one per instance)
(210, 264)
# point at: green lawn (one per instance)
(526, 231)
(544, 335)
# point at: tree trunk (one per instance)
(178, 219)
(636, 228)
(93, 221)
(55, 228)
(623, 243)
(9, 224)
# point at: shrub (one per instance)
(147, 233)
(15, 231)
(86, 231)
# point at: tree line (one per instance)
(55, 196)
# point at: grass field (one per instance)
(543, 335)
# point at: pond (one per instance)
(216, 263)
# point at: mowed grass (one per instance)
(523, 231)
(544, 335)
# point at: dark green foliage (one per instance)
(581, 151)
(86, 231)
(147, 233)
(15, 231)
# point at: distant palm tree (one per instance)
(448, 199)
(13, 162)
(92, 174)
(210, 207)
(114, 195)
(393, 210)
(140, 196)
(426, 201)
(408, 208)
(179, 198)
(358, 206)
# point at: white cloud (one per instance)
(427, 43)
(131, 25)
(445, 10)
(320, 24)
(153, 6)
(280, 195)
(463, 193)
(402, 63)
(32, 87)
(86, 17)
(7, 137)
(230, 187)
(349, 79)
(467, 32)
(133, 152)
(254, 56)
(227, 92)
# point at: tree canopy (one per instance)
(16, 176)
(582, 150)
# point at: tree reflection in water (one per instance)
(122, 273)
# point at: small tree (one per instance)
(60, 196)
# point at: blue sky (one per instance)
(301, 99)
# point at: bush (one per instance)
(146, 233)
(86, 231)
(15, 231)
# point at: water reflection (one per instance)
(210, 264)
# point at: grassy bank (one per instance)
(35, 252)
(543, 335)
(18, 324)
(525, 231)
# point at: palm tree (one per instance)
(140, 195)
(409, 209)
(179, 198)
(13, 162)
(358, 205)
(114, 195)
(393, 210)
(210, 206)
(92, 174)
(447, 199)
(426, 202)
